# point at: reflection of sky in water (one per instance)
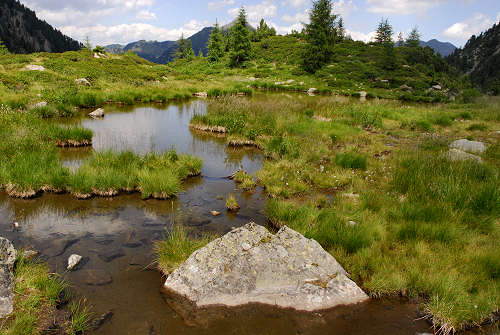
(150, 129)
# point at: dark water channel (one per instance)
(115, 236)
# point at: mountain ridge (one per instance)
(480, 59)
(23, 32)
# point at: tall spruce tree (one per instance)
(401, 40)
(384, 32)
(188, 51)
(413, 40)
(216, 47)
(240, 40)
(320, 35)
(181, 47)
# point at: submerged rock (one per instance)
(7, 259)
(469, 146)
(96, 277)
(251, 265)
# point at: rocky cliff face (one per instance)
(23, 32)
(480, 59)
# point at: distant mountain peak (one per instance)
(443, 48)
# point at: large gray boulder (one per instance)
(459, 155)
(7, 259)
(469, 146)
(251, 265)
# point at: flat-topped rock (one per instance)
(469, 146)
(251, 265)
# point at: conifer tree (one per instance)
(188, 51)
(263, 31)
(181, 50)
(240, 40)
(320, 35)
(413, 40)
(384, 32)
(401, 40)
(3, 48)
(216, 47)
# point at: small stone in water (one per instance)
(73, 261)
(215, 213)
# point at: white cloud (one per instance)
(404, 7)
(295, 3)
(344, 7)
(465, 29)
(498, 17)
(82, 13)
(264, 10)
(297, 18)
(360, 36)
(219, 4)
(146, 15)
(283, 30)
(125, 33)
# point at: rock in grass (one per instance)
(82, 82)
(459, 155)
(73, 261)
(35, 67)
(97, 113)
(469, 146)
(201, 94)
(7, 259)
(251, 265)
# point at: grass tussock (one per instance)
(39, 297)
(232, 204)
(244, 180)
(176, 248)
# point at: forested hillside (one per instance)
(23, 32)
(480, 59)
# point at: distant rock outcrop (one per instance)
(23, 32)
(251, 265)
(480, 59)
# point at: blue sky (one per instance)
(123, 21)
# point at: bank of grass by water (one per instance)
(29, 164)
(38, 304)
(403, 219)
(177, 247)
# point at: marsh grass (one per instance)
(232, 204)
(423, 227)
(244, 180)
(177, 247)
(38, 296)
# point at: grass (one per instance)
(232, 204)
(176, 248)
(403, 219)
(38, 297)
(244, 180)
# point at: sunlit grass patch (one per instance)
(176, 248)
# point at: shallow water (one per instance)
(115, 236)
